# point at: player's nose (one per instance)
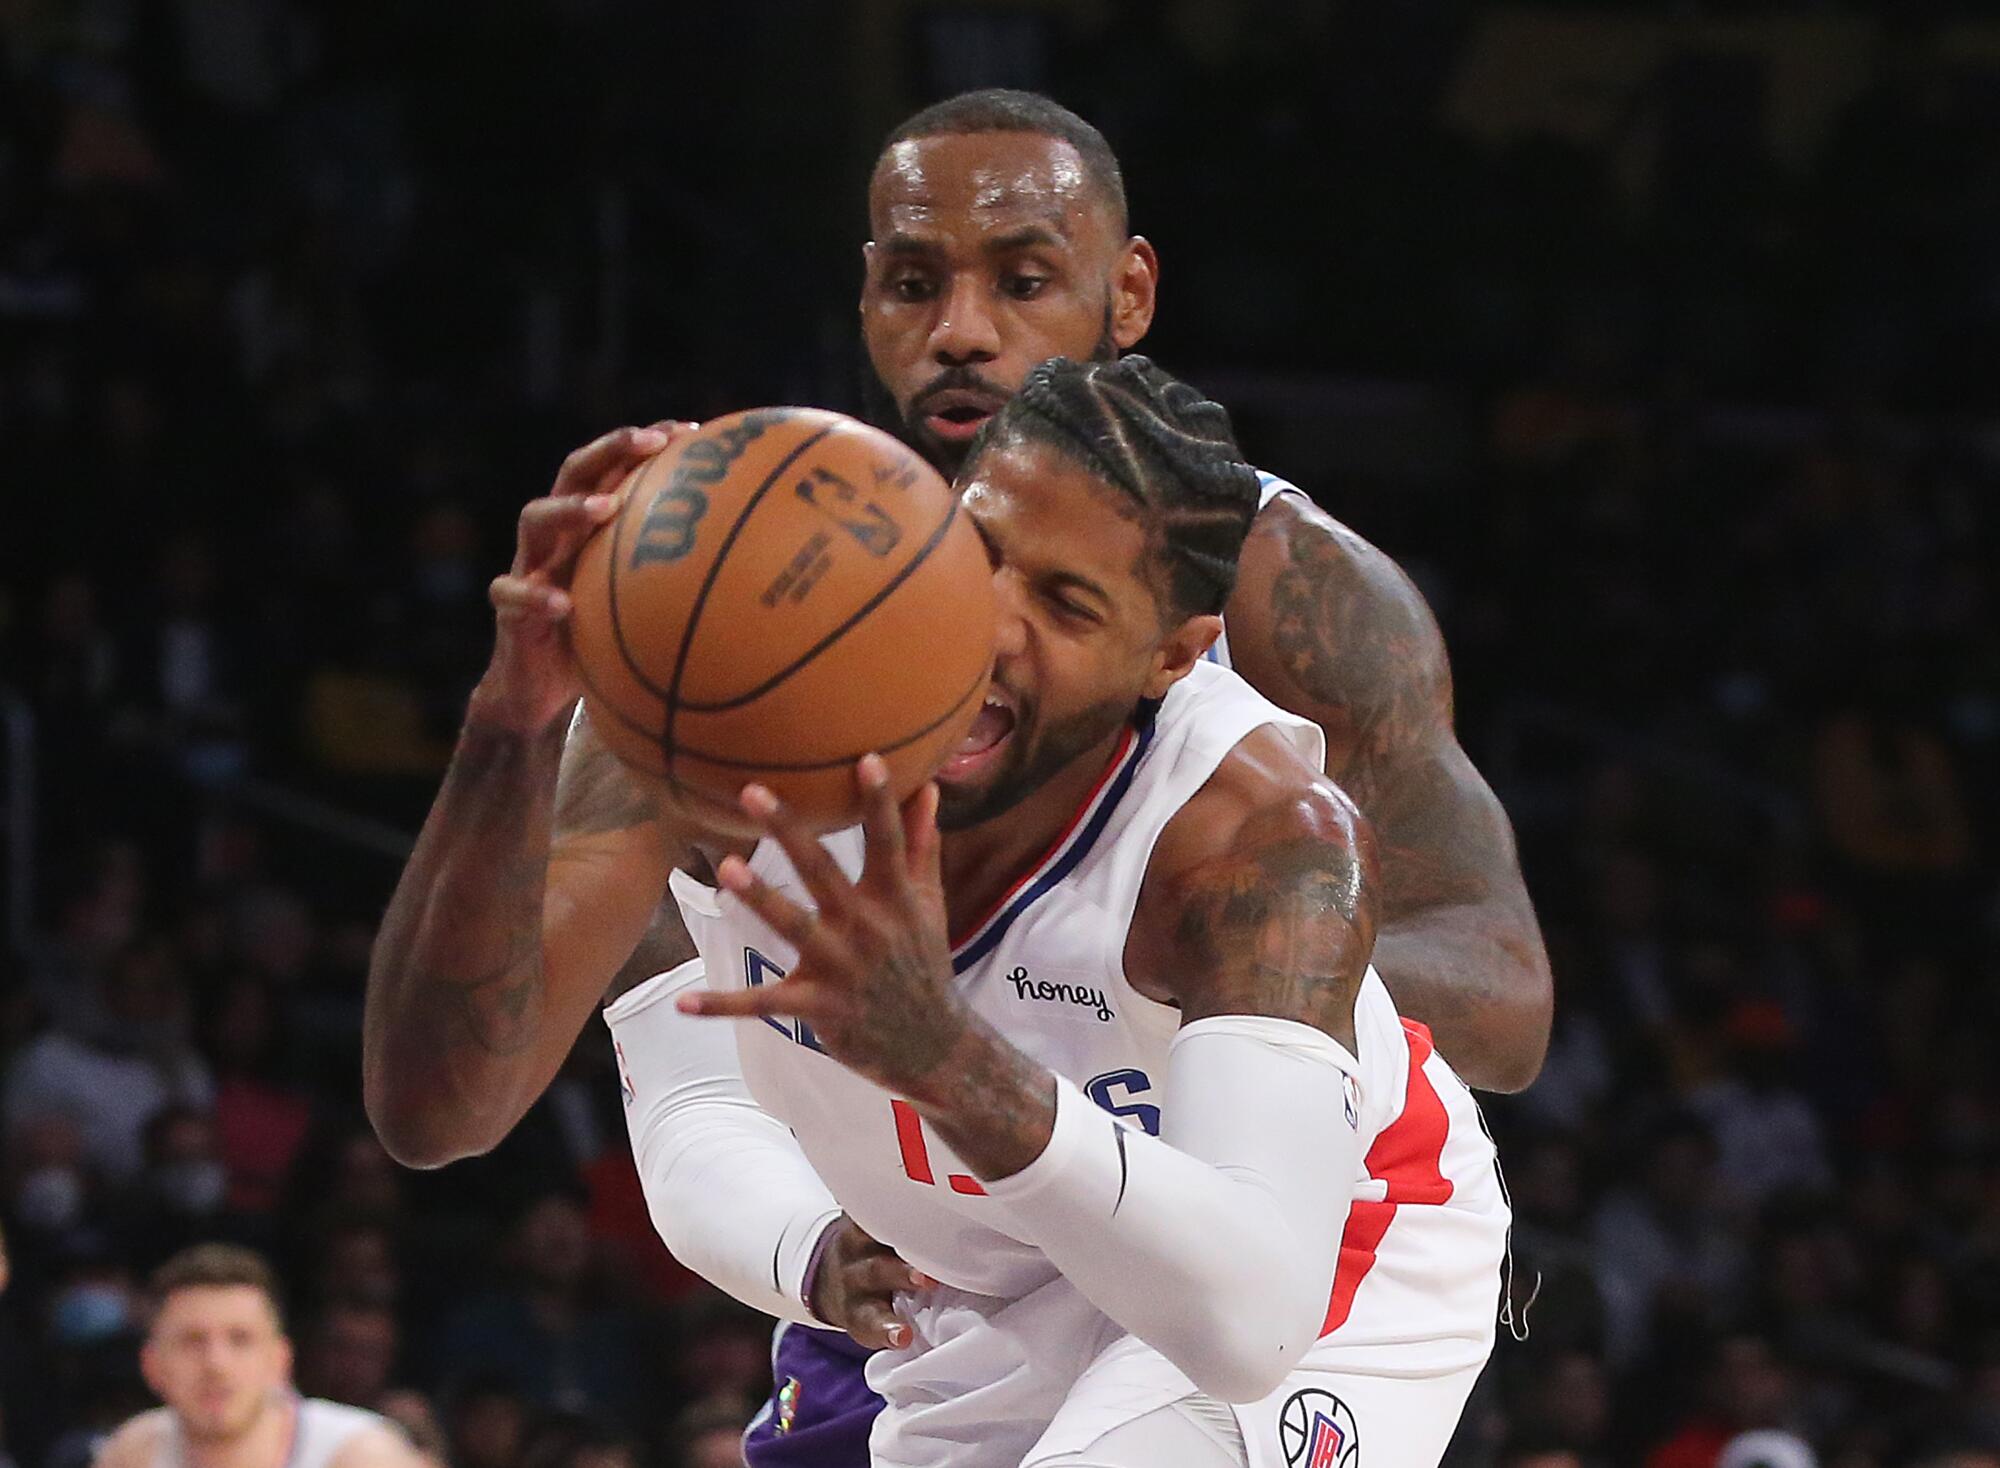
(966, 330)
(1010, 619)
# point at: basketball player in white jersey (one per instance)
(1192, 1192)
(999, 238)
(216, 1354)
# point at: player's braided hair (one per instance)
(1159, 441)
(1001, 110)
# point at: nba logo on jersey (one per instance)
(1317, 1431)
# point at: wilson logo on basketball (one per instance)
(667, 532)
(1317, 1431)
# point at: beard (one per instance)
(879, 405)
(1035, 757)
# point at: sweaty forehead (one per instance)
(990, 180)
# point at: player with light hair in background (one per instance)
(217, 1355)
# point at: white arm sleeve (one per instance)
(727, 1185)
(1216, 1242)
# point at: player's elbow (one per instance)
(1246, 1363)
(1515, 1057)
(1253, 1338)
(419, 1129)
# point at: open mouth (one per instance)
(991, 728)
(957, 414)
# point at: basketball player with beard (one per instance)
(1000, 239)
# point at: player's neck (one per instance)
(982, 862)
(265, 1443)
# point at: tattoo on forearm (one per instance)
(498, 1009)
(460, 947)
(1002, 1106)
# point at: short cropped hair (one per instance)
(1001, 110)
(216, 1266)
(1161, 443)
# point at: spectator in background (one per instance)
(487, 1422)
(187, 667)
(707, 1435)
(349, 1353)
(1664, 1248)
(1766, 1448)
(1768, 1138)
(1746, 1386)
(1532, 1453)
(52, 1191)
(1889, 798)
(261, 1119)
(569, 1441)
(217, 1356)
(181, 1198)
(128, 1063)
(545, 1332)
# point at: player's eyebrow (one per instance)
(1075, 581)
(900, 243)
(1027, 237)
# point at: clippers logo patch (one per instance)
(1317, 1431)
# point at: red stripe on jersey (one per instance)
(1407, 1157)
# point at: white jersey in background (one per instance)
(320, 1429)
(1007, 1342)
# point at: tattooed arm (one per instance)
(1209, 1242)
(1325, 625)
(519, 904)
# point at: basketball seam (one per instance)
(802, 766)
(667, 695)
(859, 615)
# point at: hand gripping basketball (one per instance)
(532, 680)
(873, 976)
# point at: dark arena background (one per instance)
(1661, 343)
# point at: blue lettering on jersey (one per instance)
(759, 970)
(1103, 1090)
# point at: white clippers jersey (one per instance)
(1045, 968)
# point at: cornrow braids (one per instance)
(1001, 110)
(1164, 445)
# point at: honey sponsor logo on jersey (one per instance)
(1080, 995)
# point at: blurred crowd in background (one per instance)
(1687, 423)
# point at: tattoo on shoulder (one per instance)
(1282, 926)
(595, 793)
(1353, 636)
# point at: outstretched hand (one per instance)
(873, 977)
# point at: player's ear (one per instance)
(867, 273)
(1135, 286)
(1180, 650)
(149, 1367)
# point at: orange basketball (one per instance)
(776, 596)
